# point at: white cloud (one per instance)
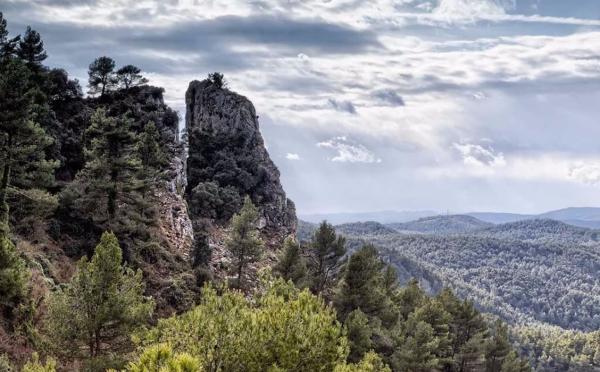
(348, 151)
(477, 155)
(468, 9)
(588, 173)
(303, 57)
(292, 156)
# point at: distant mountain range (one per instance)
(588, 217)
(381, 217)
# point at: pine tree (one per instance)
(153, 160)
(497, 348)
(111, 163)
(291, 265)
(325, 252)
(96, 313)
(415, 348)
(8, 46)
(107, 191)
(22, 141)
(244, 242)
(130, 76)
(101, 75)
(31, 50)
(512, 363)
(434, 314)
(361, 287)
(359, 334)
(13, 275)
(410, 297)
(218, 79)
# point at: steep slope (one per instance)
(227, 159)
(455, 224)
(517, 280)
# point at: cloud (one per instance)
(473, 154)
(282, 32)
(292, 156)
(469, 9)
(389, 96)
(348, 151)
(588, 173)
(343, 106)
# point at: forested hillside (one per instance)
(119, 252)
(541, 275)
(455, 224)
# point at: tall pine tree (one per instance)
(96, 313)
(101, 75)
(31, 50)
(291, 264)
(244, 242)
(22, 141)
(324, 255)
(8, 46)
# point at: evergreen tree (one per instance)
(130, 76)
(282, 329)
(466, 324)
(31, 50)
(13, 275)
(8, 46)
(201, 251)
(96, 313)
(512, 363)
(244, 242)
(325, 253)
(361, 287)
(370, 363)
(161, 358)
(497, 348)
(109, 173)
(410, 297)
(153, 160)
(22, 141)
(416, 347)
(101, 75)
(291, 265)
(359, 334)
(218, 79)
(434, 314)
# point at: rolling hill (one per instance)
(454, 224)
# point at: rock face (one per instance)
(227, 160)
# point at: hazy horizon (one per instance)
(459, 105)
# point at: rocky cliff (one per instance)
(227, 160)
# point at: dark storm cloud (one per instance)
(199, 45)
(285, 33)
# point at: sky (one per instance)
(445, 105)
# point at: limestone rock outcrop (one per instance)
(227, 160)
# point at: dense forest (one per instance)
(541, 276)
(94, 275)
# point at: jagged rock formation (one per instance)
(227, 160)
